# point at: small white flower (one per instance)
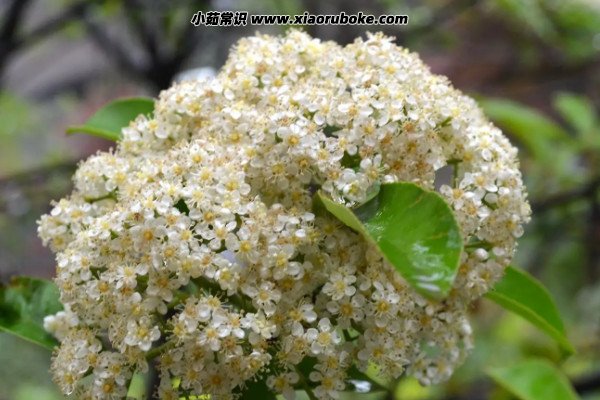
(323, 338)
(284, 384)
(141, 333)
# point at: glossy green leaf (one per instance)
(524, 295)
(534, 379)
(24, 303)
(108, 121)
(535, 131)
(415, 231)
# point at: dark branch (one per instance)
(11, 20)
(560, 199)
(40, 173)
(165, 66)
(587, 384)
(11, 40)
(111, 47)
(53, 24)
(143, 28)
(545, 73)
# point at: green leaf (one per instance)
(24, 303)
(414, 229)
(535, 131)
(108, 121)
(534, 379)
(524, 295)
(137, 387)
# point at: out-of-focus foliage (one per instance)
(570, 26)
(24, 375)
(561, 246)
(536, 132)
(20, 120)
(561, 156)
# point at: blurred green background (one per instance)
(533, 64)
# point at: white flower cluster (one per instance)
(194, 243)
